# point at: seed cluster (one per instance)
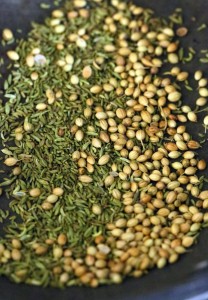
(105, 176)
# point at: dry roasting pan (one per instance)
(186, 279)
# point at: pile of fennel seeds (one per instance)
(104, 175)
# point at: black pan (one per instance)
(186, 279)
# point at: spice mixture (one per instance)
(104, 179)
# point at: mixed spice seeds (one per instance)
(105, 179)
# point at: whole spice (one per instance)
(182, 31)
(13, 55)
(7, 34)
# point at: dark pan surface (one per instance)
(189, 276)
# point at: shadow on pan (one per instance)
(186, 279)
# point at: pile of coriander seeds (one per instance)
(104, 178)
